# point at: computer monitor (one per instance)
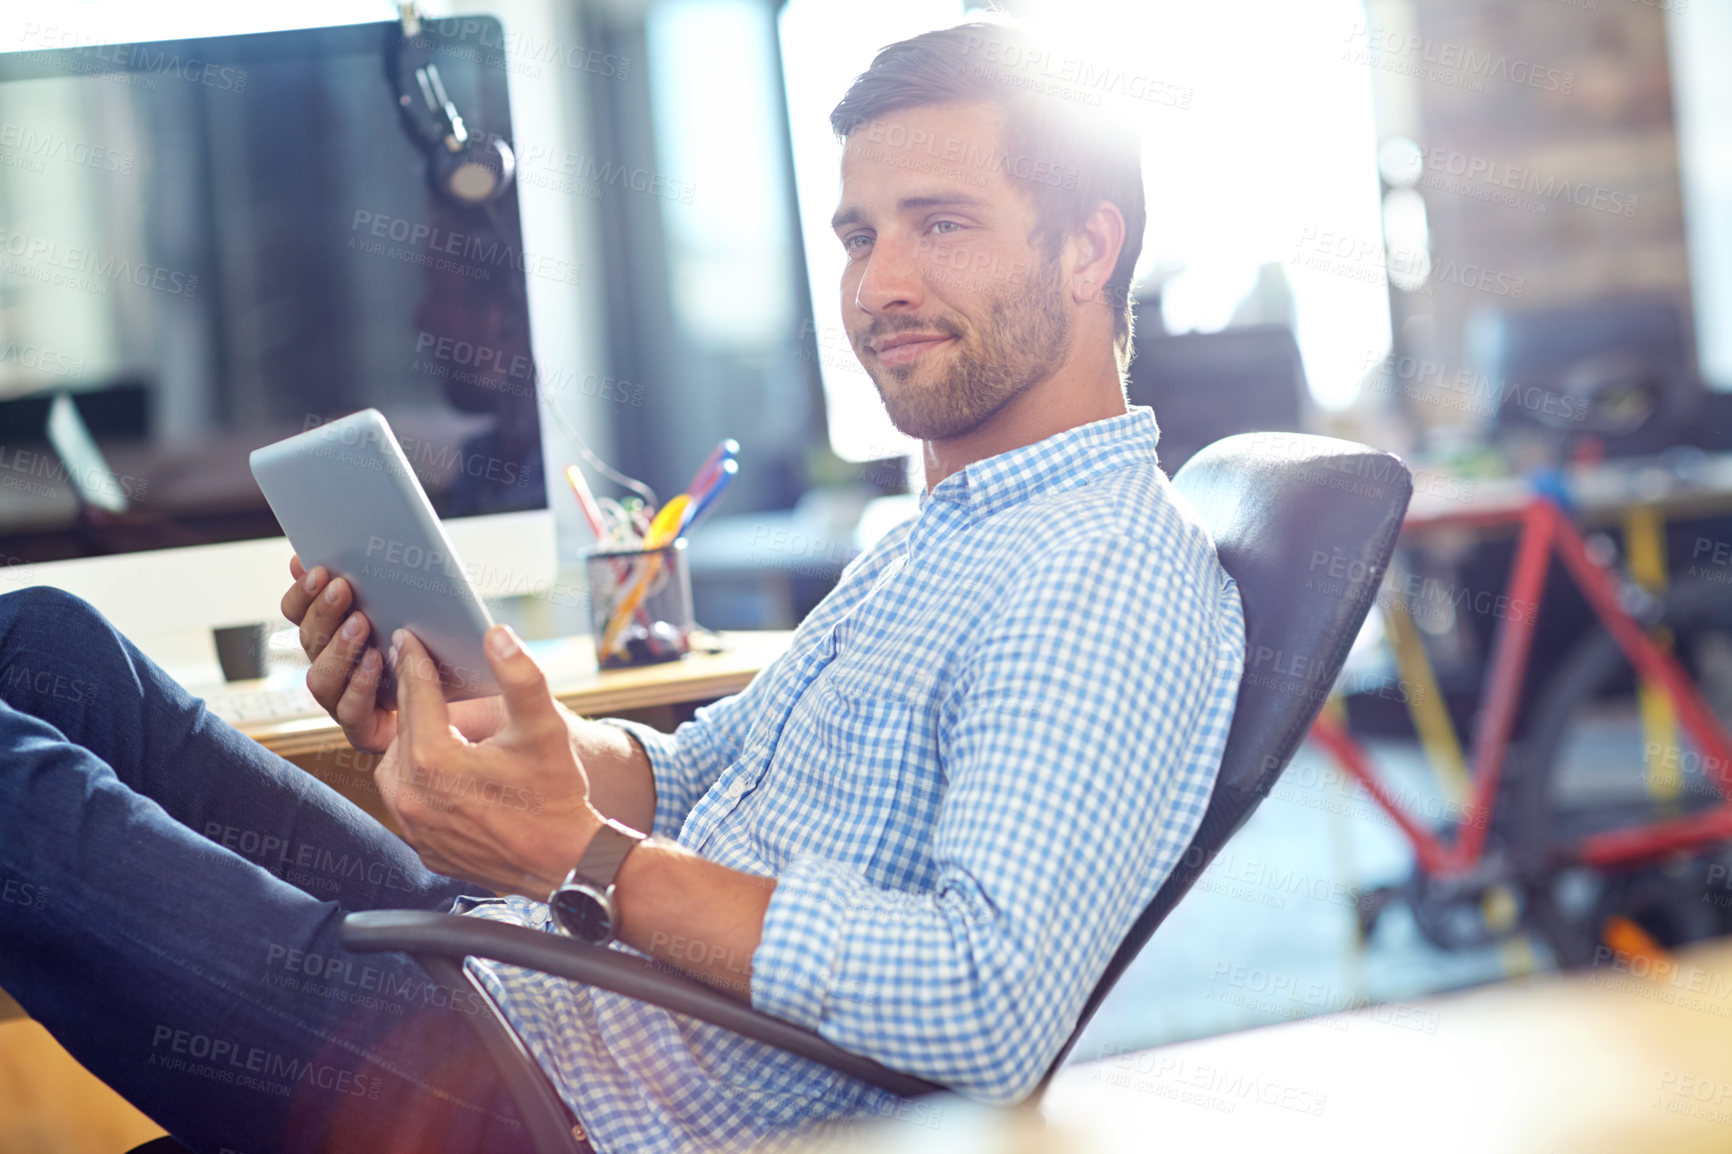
(1205, 386)
(207, 245)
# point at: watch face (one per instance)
(583, 914)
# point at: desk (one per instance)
(697, 679)
(1582, 1063)
(1603, 494)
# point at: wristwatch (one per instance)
(583, 904)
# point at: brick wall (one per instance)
(1551, 168)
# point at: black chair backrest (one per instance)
(1306, 526)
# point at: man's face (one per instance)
(951, 305)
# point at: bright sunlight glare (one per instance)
(1258, 150)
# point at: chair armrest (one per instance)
(420, 932)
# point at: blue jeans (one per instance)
(170, 896)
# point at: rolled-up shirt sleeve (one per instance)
(686, 762)
(1081, 739)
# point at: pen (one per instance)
(705, 476)
(701, 504)
(662, 530)
(586, 501)
(666, 525)
(636, 518)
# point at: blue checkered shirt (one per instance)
(979, 758)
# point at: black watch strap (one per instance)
(606, 851)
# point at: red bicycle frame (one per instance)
(1545, 529)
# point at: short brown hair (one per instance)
(1068, 163)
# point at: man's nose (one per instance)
(893, 278)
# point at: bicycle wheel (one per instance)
(1582, 769)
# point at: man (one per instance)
(922, 832)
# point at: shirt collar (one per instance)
(1061, 461)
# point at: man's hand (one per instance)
(344, 671)
(511, 812)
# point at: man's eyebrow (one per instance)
(848, 216)
(941, 200)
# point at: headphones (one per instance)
(469, 170)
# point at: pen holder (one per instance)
(640, 605)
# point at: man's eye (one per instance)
(946, 226)
(856, 242)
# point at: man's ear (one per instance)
(1097, 245)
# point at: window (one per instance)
(727, 241)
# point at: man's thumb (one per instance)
(528, 702)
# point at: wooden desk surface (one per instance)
(1590, 1062)
(699, 677)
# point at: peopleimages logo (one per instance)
(426, 458)
(38, 145)
(1465, 390)
(235, 1063)
(41, 360)
(46, 258)
(1460, 60)
(1072, 77)
(895, 143)
(524, 47)
(466, 254)
(34, 471)
(1500, 175)
(152, 59)
(568, 171)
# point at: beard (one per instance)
(1024, 337)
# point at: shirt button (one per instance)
(735, 789)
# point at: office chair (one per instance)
(1274, 502)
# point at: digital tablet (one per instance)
(347, 499)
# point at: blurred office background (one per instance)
(1492, 236)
